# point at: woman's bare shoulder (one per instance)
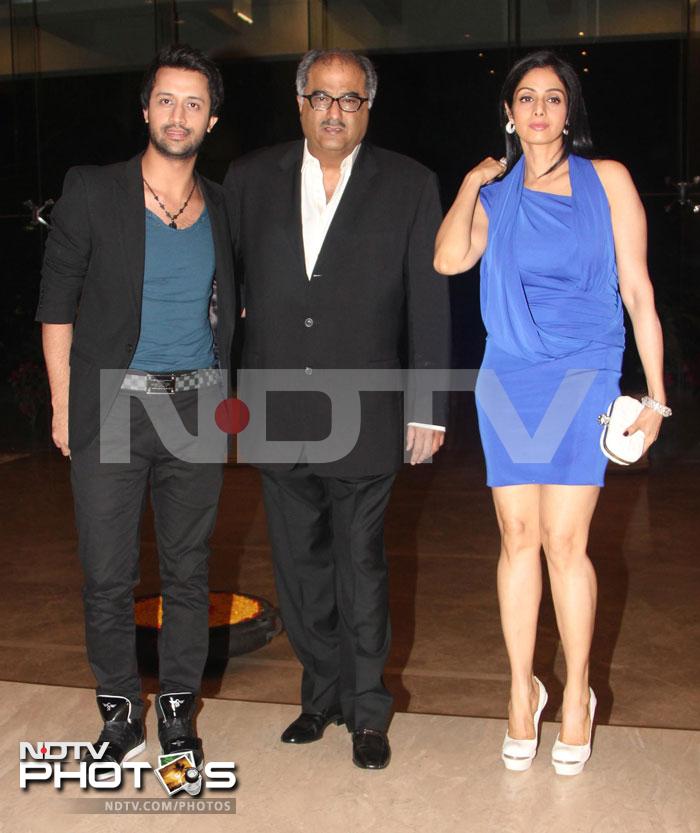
(616, 179)
(612, 172)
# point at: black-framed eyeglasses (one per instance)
(348, 103)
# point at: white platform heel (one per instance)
(570, 759)
(518, 755)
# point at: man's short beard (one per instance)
(186, 152)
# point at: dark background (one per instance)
(438, 107)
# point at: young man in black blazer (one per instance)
(136, 254)
(335, 239)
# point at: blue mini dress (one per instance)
(555, 333)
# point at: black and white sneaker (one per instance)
(123, 733)
(176, 731)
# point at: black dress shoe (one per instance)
(309, 726)
(370, 749)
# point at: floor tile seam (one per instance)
(282, 663)
(33, 645)
(606, 728)
(292, 664)
(389, 670)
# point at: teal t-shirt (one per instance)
(177, 285)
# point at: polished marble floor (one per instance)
(445, 776)
(447, 670)
(447, 656)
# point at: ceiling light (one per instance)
(243, 9)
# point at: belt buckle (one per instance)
(160, 383)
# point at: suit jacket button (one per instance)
(129, 348)
(309, 322)
(308, 371)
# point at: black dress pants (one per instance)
(327, 537)
(109, 501)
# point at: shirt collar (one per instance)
(310, 160)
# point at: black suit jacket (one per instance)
(92, 277)
(373, 297)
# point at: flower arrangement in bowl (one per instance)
(238, 623)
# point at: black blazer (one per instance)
(92, 277)
(374, 295)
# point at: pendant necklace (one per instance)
(171, 217)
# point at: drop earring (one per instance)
(510, 127)
(565, 131)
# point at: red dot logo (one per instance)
(43, 750)
(232, 415)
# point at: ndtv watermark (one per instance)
(164, 806)
(59, 763)
(344, 390)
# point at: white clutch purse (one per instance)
(623, 411)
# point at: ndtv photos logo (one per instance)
(59, 763)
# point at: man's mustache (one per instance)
(165, 127)
(332, 123)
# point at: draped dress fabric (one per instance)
(555, 334)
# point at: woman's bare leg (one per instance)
(519, 595)
(565, 519)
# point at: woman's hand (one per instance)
(487, 170)
(462, 237)
(649, 422)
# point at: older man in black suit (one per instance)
(334, 238)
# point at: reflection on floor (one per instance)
(447, 655)
(445, 775)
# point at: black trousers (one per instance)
(109, 502)
(327, 537)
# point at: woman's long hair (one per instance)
(579, 139)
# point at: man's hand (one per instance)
(59, 429)
(423, 443)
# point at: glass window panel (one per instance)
(415, 24)
(693, 93)
(80, 35)
(549, 21)
(21, 56)
(5, 41)
(245, 28)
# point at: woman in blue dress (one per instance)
(562, 237)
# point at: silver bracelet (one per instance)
(664, 410)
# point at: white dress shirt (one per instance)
(317, 214)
